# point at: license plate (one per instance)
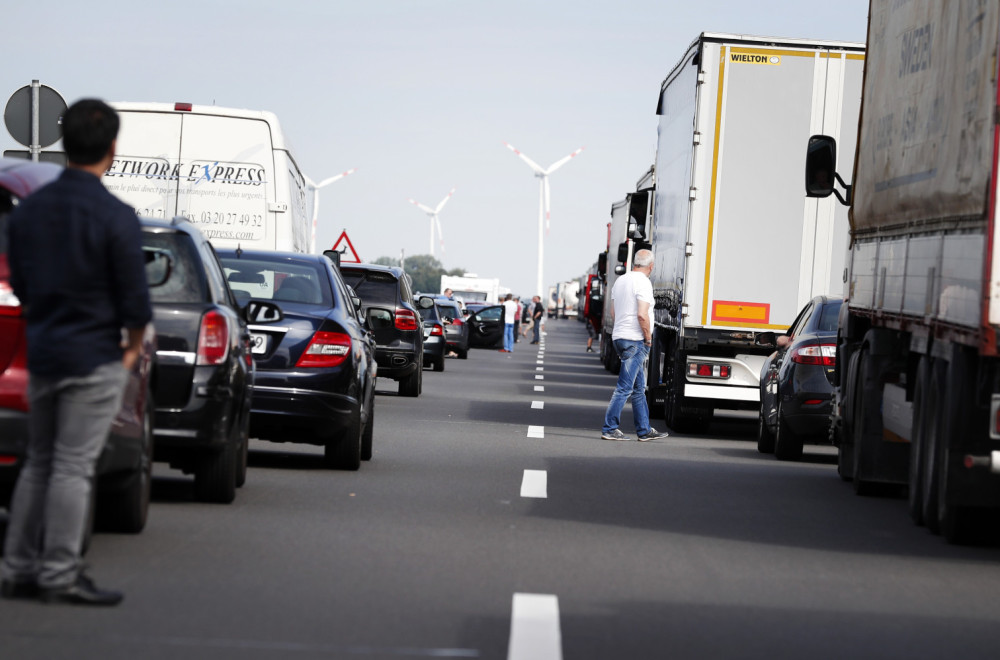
(258, 343)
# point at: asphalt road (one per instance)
(488, 527)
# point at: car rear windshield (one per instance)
(186, 281)
(373, 286)
(279, 279)
(429, 314)
(829, 316)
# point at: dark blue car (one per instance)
(315, 368)
(796, 381)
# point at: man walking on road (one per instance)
(536, 317)
(632, 296)
(509, 316)
(76, 265)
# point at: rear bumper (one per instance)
(433, 347)
(289, 414)
(397, 363)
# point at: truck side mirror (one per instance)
(619, 270)
(821, 165)
(622, 252)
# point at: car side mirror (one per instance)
(355, 298)
(159, 265)
(766, 339)
(262, 311)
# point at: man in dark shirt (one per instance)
(536, 315)
(76, 265)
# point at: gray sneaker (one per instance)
(653, 435)
(614, 435)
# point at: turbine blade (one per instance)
(545, 192)
(532, 164)
(425, 209)
(335, 178)
(444, 201)
(559, 163)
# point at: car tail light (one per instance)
(9, 304)
(709, 370)
(213, 339)
(436, 331)
(7, 460)
(406, 320)
(821, 354)
(457, 321)
(326, 349)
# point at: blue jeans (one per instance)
(631, 387)
(508, 336)
(537, 330)
(69, 423)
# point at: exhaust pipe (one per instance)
(990, 462)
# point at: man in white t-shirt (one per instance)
(632, 299)
(509, 316)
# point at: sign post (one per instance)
(34, 117)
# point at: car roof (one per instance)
(22, 177)
(272, 255)
(394, 270)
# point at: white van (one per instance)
(230, 172)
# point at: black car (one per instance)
(796, 381)
(456, 330)
(315, 378)
(486, 327)
(434, 332)
(388, 309)
(203, 377)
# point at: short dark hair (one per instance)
(89, 127)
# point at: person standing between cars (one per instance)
(509, 316)
(76, 262)
(632, 297)
(517, 321)
(536, 319)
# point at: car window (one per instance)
(801, 321)
(490, 314)
(450, 310)
(429, 313)
(373, 286)
(829, 316)
(186, 283)
(279, 279)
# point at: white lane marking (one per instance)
(537, 405)
(539, 377)
(536, 431)
(539, 368)
(539, 361)
(535, 483)
(539, 388)
(534, 628)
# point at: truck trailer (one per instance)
(738, 250)
(918, 374)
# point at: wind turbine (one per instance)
(433, 214)
(315, 188)
(543, 199)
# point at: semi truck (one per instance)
(917, 372)
(228, 171)
(630, 220)
(738, 249)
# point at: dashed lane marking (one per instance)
(539, 368)
(539, 388)
(537, 405)
(534, 628)
(539, 377)
(534, 483)
(536, 431)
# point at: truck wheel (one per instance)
(215, 475)
(787, 446)
(863, 421)
(765, 439)
(410, 386)
(344, 451)
(126, 509)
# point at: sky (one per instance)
(419, 96)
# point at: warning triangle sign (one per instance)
(346, 249)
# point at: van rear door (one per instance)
(147, 163)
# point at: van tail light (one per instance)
(213, 339)
(406, 320)
(436, 331)
(822, 354)
(182, 107)
(326, 349)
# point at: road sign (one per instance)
(18, 113)
(348, 255)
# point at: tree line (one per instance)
(424, 270)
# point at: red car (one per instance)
(124, 469)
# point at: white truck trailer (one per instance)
(472, 288)
(738, 250)
(917, 364)
(228, 171)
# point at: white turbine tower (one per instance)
(433, 214)
(315, 188)
(543, 200)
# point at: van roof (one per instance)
(277, 136)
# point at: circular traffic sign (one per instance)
(17, 115)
